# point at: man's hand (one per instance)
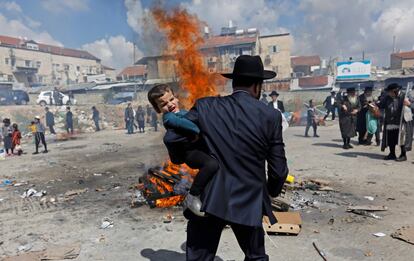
(354, 112)
(407, 102)
(344, 108)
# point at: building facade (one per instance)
(132, 73)
(402, 60)
(220, 52)
(32, 63)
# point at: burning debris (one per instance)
(166, 186)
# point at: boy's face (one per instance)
(168, 103)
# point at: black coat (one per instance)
(347, 121)
(50, 119)
(361, 117)
(327, 103)
(241, 133)
(280, 106)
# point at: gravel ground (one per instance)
(109, 162)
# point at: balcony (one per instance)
(25, 69)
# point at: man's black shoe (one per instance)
(401, 158)
(35, 153)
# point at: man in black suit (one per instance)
(330, 104)
(242, 133)
(275, 103)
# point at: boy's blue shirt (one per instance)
(177, 121)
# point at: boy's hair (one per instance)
(15, 126)
(157, 92)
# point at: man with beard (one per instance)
(348, 110)
(364, 100)
(398, 127)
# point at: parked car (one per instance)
(18, 97)
(46, 98)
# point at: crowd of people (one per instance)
(11, 136)
(366, 117)
(137, 119)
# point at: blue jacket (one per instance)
(176, 121)
(178, 138)
(242, 133)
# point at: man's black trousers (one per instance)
(203, 237)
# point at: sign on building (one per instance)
(353, 70)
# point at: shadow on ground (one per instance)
(361, 154)
(330, 145)
(167, 255)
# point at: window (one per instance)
(66, 67)
(38, 64)
(6, 60)
(274, 49)
(78, 68)
(10, 78)
(27, 63)
(47, 94)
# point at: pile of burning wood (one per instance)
(166, 186)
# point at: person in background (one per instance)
(16, 140)
(349, 108)
(69, 120)
(149, 111)
(50, 120)
(330, 104)
(56, 96)
(312, 120)
(154, 120)
(95, 118)
(364, 99)
(264, 98)
(275, 102)
(129, 118)
(140, 117)
(398, 127)
(6, 134)
(372, 120)
(40, 136)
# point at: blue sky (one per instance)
(106, 28)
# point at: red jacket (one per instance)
(16, 137)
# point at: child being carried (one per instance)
(183, 147)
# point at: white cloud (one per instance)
(135, 15)
(16, 28)
(348, 28)
(60, 6)
(11, 7)
(245, 14)
(114, 51)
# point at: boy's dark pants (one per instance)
(40, 137)
(207, 166)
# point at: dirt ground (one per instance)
(109, 162)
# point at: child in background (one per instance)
(312, 120)
(183, 150)
(16, 138)
(6, 134)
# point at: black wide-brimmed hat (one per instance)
(274, 93)
(369, 88)
(393, 86)
(250, 67)
(350, 90)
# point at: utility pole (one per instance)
(393, 44)
(133, 46)
(363, 55)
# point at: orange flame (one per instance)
(169, 202)
(184, 39)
